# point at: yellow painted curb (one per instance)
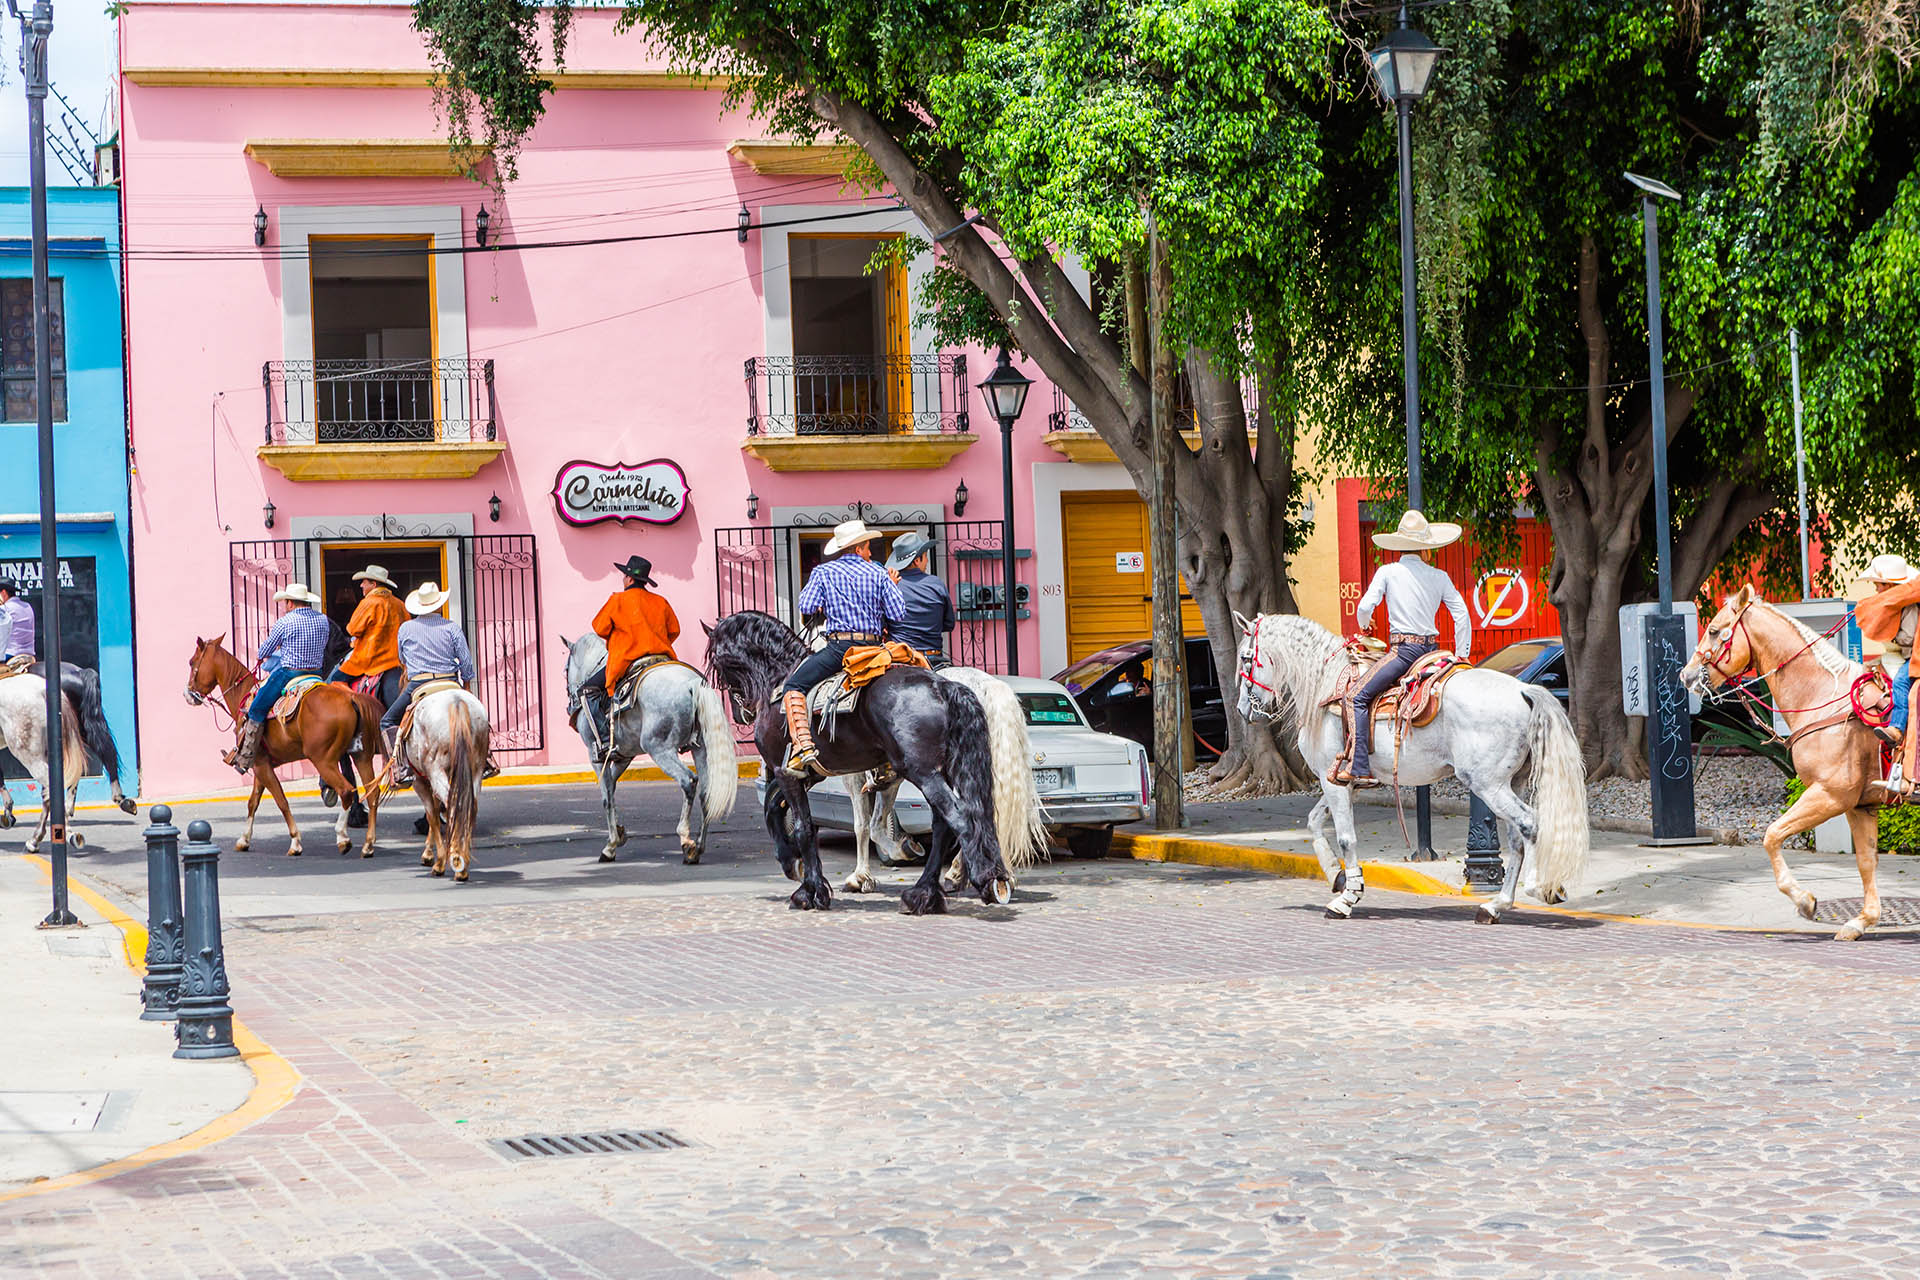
(749, 768)
(1274, 862)
(275, 1080)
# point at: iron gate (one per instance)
(763, 567)
(496, 582)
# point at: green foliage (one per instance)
(1899, 824)
(1724, 729)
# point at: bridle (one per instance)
(1732, 679)
(1738, 627)
(1250, 672)
(217, 705)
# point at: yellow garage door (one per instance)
(1110, 573)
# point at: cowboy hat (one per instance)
(297, 591)
(907, 548)
(640, 569)
(850, 533)
(1887, 570)
(426, 598)
(374, 573)
(1416, 534)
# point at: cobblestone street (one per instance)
(1133, 1069)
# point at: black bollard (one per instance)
(160, 993)
(205, 1026)
(1484, 870)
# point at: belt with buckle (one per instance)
(1408, 637)
(853, 635)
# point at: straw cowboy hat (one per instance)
(640, 569)
(1887, 570)
(907, 548)
(1416, 534)
(374, 573)
(850, 533)
(298, 591)
(427, 598)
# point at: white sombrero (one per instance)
(374, 573)
(297, 591)
(1887, 570)
(426, 598)
(1415, 533)
(850, 533)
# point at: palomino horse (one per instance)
(677, 711)
(23, 731)
(329, 720)
(446, 747)
(1835, 753)
(1489, 728)
(971, 761)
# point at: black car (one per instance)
(1115, 689)
(1543, 661)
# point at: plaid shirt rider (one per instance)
(855, 593)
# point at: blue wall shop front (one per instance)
(90, 446)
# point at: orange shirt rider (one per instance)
(375, 628)
(634, 621)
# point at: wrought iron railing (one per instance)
(1065, 416)
(856, 395)
(378, 401)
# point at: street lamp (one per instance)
(1005, 391)
(1670, 736)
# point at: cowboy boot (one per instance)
(802, 759)
(247, 752)
(402, 775)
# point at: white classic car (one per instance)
(1089, 782)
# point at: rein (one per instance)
(226, 691)
(1873, 677)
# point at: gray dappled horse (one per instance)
(1489, 728)
(677, 711)
(23, 731)
(81, 687)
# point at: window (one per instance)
(851, 371)
(1049, 708)
(16, 349)
(374, 376)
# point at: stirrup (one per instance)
(802, 764)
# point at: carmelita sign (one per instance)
(589, 492)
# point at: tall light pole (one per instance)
(1005, 391)
(35, 27)
(1670, 735)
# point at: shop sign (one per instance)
(1501, 597)
(589, 492)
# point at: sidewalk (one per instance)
(84, 1081)
(1715, 884)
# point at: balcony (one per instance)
(856, 413)
(379, 419)
(1070, 435)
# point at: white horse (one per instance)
(23, 731)
(1016, 817)
(1489, 728)
(678, 711)
(446, 747)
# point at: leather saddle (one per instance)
(1412, 703)
(840, 693)
(288, 705)
(16, 665)
(628, 691)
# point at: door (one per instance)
(1110, 573)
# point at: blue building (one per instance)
(90, 441)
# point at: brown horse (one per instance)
(1823, 696)
(329, 719)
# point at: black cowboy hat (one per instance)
(640, 569)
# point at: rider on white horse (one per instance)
(1413, 591)
(636, 623)
(16, 623)
(432, 647)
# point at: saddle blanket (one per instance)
(628, 692)
(289, 704)
(430, 688)
(16, 665)
(840, 693)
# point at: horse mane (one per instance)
(750, 652)
(1831, 660)
(1297, 648)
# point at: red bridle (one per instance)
(1249, 670)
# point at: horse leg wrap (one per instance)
(800, 754)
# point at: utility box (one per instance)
(1633, 652)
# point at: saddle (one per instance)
(288, 705)
(840, 693)
(627, 693)
(1410, 704)
(16, 665)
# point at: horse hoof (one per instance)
(460, 877)
(1340, 881)
(619, 837)
(439, 872)
(998, 894)
(426, 859)
(367, 852)
(460, 867)
(1849, 934)
(919, 901)
(76, 841)
(7, 821)
(127, 805)
(690, 858)
(606, 855)
(1339, 911)
(1554, 897)
(859, 882)
(239, 846)
(293, 853)
(345, 847)
(1484, 916)
(328, 795)
(809, 898)
(1806, 906)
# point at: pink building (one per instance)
(328, 368)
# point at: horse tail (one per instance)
(1017, 818)
(73, 743)
(969, 765)
(366, 722)
(82, 687)
(1558, 794)
(719, 771)
(463, 788)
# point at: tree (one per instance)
(1061, 124)
(1791, 141)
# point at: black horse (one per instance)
(81, 687)
(932, 731)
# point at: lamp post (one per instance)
(1005, 391)
(1670, 736)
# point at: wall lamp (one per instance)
(753, 505)
(744, 223)
(480, 221)
(960, 499)
(493, 508)
(267, 512)
(260, 227)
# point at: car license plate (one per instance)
(1046, 779)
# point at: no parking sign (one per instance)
(1501, 598)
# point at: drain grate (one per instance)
(610, 1142)
(1892, 910)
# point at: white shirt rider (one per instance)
(1414, 591)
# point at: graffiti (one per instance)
(1675, 751)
